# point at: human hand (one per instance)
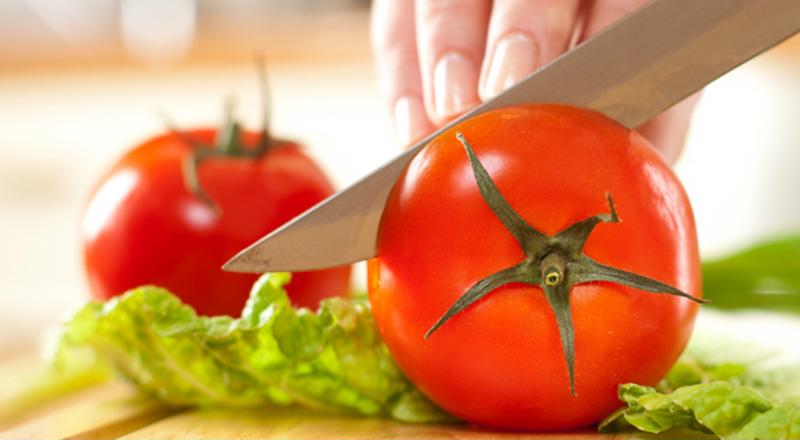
(436, 59)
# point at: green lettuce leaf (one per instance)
(765, 276)
(729, 383)
(331, 360)
(753, 349)
(721, 408)
(776, 381)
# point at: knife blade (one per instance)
(633, 70)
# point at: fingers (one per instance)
(431, 66)
(667, 131)
(430, 53)
(451, 36)
(397, 64)
(523, 36)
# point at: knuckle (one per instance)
(553, 33)
(434, 11)
(546, 22)
(388, 38)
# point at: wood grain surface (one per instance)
(294, 423)
(115, 410)
(106, 411)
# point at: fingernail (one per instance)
(514, 58)
(410, 122)
(455, 85)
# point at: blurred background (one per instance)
(82, 82)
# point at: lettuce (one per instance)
(720, 408)
(765, 276)
(729, 385)
(332, 360)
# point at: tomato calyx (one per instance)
(554, 263)
(228, 143)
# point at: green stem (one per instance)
(228, 136)
(478, 291)
(228, 143)
(558, 298)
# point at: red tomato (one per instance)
(500, 361)
(143, 226)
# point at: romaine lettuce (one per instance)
(332, 360)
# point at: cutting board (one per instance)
(115, 410)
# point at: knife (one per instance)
(632, 71)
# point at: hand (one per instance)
(438, 58)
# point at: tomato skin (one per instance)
(499, 363)
(142, 226)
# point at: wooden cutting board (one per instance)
(116, 410)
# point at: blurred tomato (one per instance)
(145, 224)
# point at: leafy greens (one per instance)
(331, 360)
(764, 276)
(726, 410)
(722, 385)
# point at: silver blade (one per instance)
(631, 72)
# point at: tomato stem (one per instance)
(228, 143)
(229, 134)
(558, 297)
(553, 263)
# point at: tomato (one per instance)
(500, 361)
(144, 226)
